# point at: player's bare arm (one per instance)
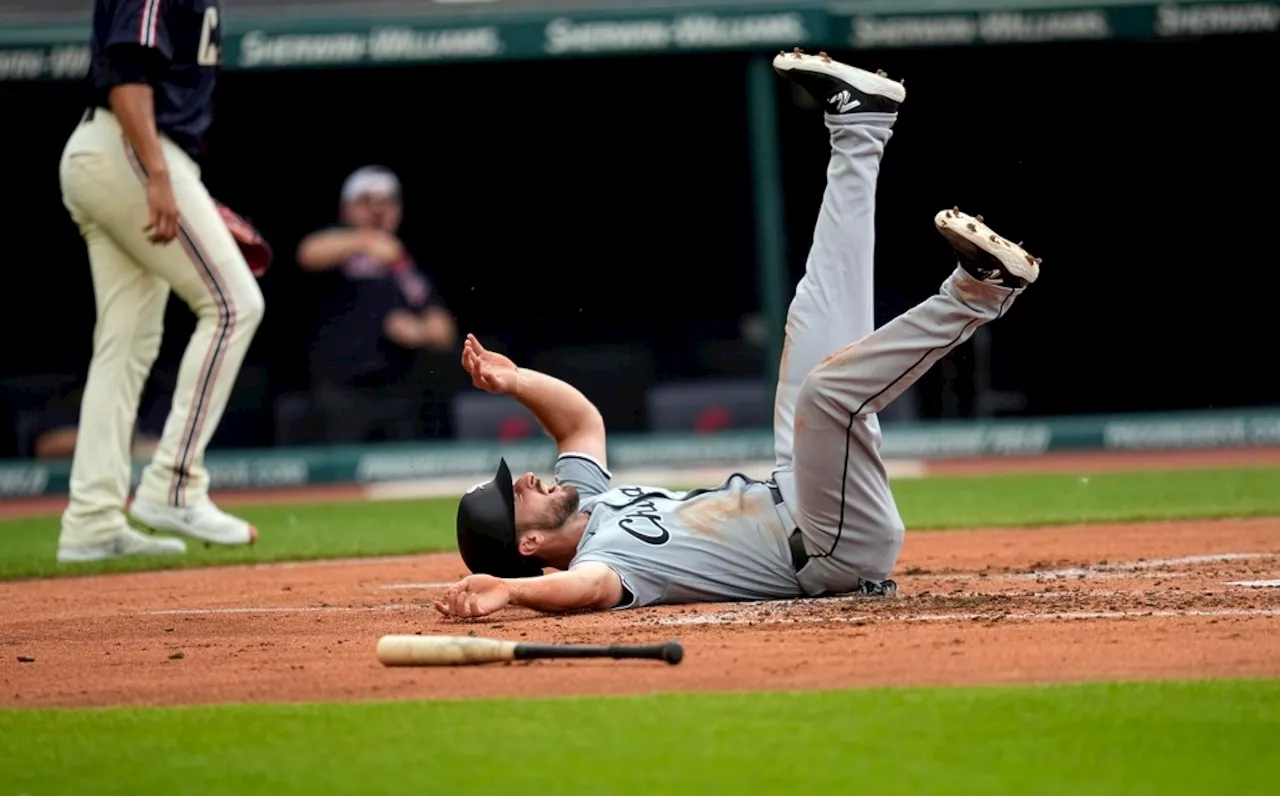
(566, 414)
(133, 102)
(587, 586)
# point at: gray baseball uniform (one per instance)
(836, 373)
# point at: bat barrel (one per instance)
(404, 650)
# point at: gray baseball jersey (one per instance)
(704, 545)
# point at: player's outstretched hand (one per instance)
(162, 223)
(474, 595)
(490, 371)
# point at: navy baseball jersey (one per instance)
(178, 44)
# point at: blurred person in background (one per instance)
(59, 426)
(382, 327)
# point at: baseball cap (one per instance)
(487, 529)
(377, 180)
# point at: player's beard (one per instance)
(563, 509)
(555, 517)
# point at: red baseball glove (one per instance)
(256, 251)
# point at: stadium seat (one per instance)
(614, 377)
(706, 406)
(295, 420)
(482, 415)
(24, 398)
(738, 358)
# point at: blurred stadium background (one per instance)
(620, 194)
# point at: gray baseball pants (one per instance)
(837, 371)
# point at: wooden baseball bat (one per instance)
(465, 650)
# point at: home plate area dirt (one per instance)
(1137, 601)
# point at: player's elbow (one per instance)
(591, 422)
(607, 591)
(586, 434)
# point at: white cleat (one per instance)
(205, 522)
(127, 543)
(983, 253)
(839, 88)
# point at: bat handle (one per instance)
(671, 652)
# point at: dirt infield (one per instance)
(1129, 601)
(1125, 601)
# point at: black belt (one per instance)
(796, 540)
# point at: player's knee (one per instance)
(250, 307)
(817, 390)
(879, 551)
(146, 346)
(897, 533)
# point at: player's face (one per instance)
(373, 211)
(540, 506)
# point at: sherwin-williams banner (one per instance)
(59, 52)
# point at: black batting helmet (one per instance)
(487, 529)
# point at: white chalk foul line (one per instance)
(1117, 570)
(1256, 584)
(285, 609)
(413, 586)
(757, 619)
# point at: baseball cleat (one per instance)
(871, 588)
(127, 542)
(837, 87)
(205, 522)
(985, 255)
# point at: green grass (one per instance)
(287, 533)
(952, 502)
(1130, 739)
(363, 529)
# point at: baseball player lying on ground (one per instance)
(826, 523)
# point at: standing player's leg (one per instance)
(851, 528)
(210, 274)
(130, 305)
(834, 301)
(205, 267)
